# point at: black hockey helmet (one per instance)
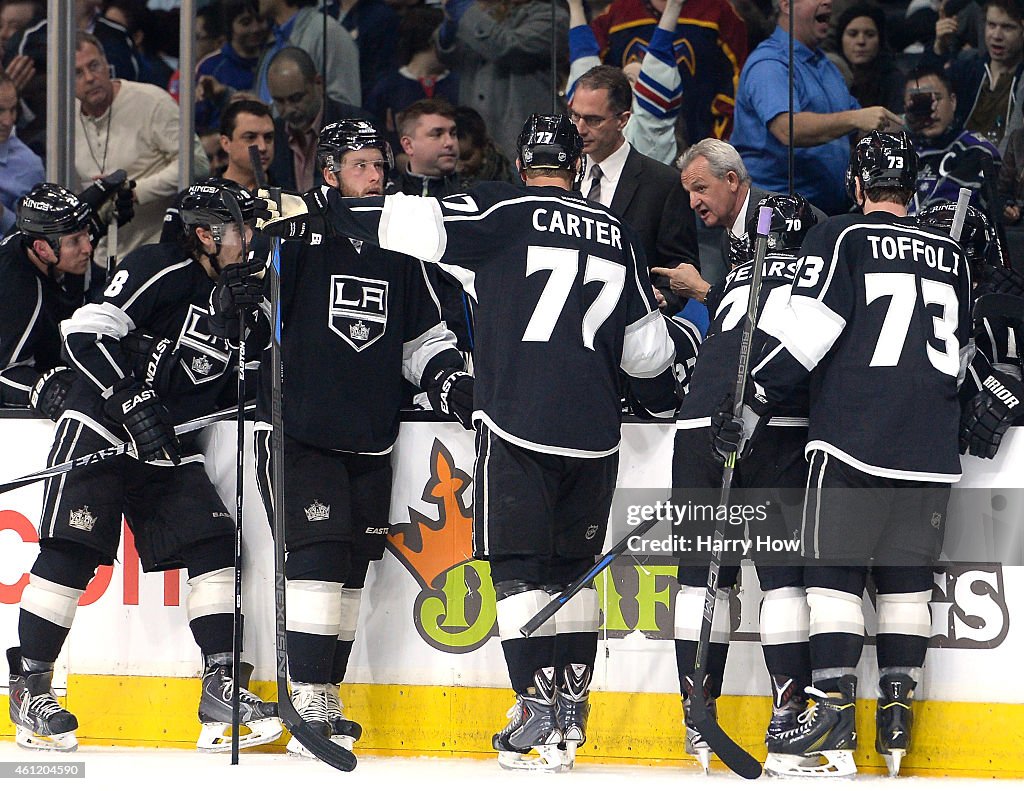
(792, 218)
(49, 211)
(976, 237)
(202, 205)
(882, 159)
(351, 135)
(551, 142)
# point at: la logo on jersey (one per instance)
(358, 309)
(204, 356)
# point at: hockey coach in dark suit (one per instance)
(645, 193)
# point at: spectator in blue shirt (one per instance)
(233, 66)
(824, 112)
(20, 168)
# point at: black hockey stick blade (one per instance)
(999, 306)
(729, 753)
(329, 752)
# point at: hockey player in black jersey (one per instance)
(145, 358)
(992, 396)
(43, 272)
(563, 303)
(356, 320)
(775, 463)
(877, 320)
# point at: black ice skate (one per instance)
(695, 744)
(894, 718)
(824, 739)
(260, 720)
(343, 731)
(572, 709)
(40, 722)
(310, 701)
(532, 726)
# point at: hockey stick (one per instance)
(236, 630)
(545, 613)
(110, 453)
(963, 200)
(731, 754)
(326, 750)
(111, 246)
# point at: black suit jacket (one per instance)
(281, 172)
(650, 198)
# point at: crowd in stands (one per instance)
(450, 83)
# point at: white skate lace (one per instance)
(43, 705)
(311, 703)
(334, 706)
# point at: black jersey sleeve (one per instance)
(802, 330)
(17, 371)
(143, 285)
(429, 346)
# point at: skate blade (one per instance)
(826, 763)
(893, 760)
(548, 759)
(215, 738)
(569, 748)
(703, 756)
(61, 742)
(298, 749)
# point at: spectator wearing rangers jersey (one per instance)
(878, 306)
(657, 85)
(372, 318)
(709, 45)
(775, 464)
(563, 304)
(146, 357)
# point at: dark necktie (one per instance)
(594, 193)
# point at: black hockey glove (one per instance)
(297, 217)
(153, 359)
(139, 410)
(124, 203)
(988, 414)
(50, 390)
(239, 286)
(103, 189)
(734, 435)
(451, 395)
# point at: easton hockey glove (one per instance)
(730, 434)
(50, 390)
(139, 410)
(297, 217)
(988, 414)
(451, 395)
(152, 359)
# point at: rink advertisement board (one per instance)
(427, 623)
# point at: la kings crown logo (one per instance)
(81, 519)
(358, 310)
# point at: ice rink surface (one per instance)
(140, 769)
